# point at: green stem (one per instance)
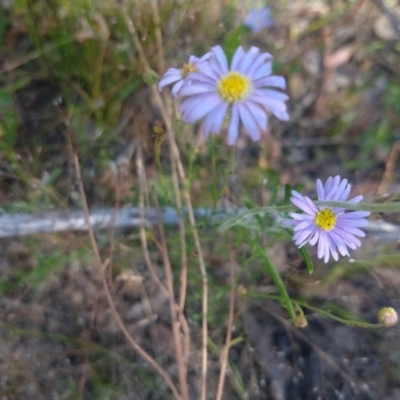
(319, 311)
(276, 278)
(231, 161)
(214, 188)
(157, 151)
(393, 207)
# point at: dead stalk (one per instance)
(110, 300)
(118, 185)
(142, 230)
(176, 315)
(180, 360)
(177, 163)
(161, 69)
(225, 351)
(143, 237)
(159, 41)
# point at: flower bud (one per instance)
(301, 321)
(387, 316)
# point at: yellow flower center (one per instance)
(187, 69)
(325, 219)
(233, 87)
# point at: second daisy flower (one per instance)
(334, 229)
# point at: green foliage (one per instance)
(8, 123)
(45, 264)
(232, 40)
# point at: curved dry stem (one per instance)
(181, 351)
(159, 41)
(119, 178)
(176, 159)
(175, 314)
(110, 300)
(177, 163)
(142, 230)
(225, 351)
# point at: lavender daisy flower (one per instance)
(258, 20)
(334, 229)
(180, 75)
(243, 89)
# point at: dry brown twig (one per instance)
(390, 166)
(180, 190)
(159, 41)
(98, 262)
(177, 318)
(176, 313)
(161, 68)
(225, 351)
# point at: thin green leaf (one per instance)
(288, 194)
(276, 278)
(307, 260)
(246, 217)
(232, 41)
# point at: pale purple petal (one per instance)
(277, 107)
(259, 115)
(301, 217)
(196, 88)
(340, 190)
(258, 20)
(262, 59)
(237, 58)
(345, 193)
(220, 55)
(320, 190)
(356, 199)
(339, 242)
(200, 77)
(210, 70)
(273, 94)
(323, 248)
(248, 59)
(314, 238)
(302, 238)
(203, 104)
(249, 122)
(358, 223)
(262, 71)
(355, 214)
(333, 187)
(328, 185)
(354, 231)
(169, 78)
(303, 206)
(301, 225)
(273, 81)
(176, 88)
(332, 246)
(214, 120)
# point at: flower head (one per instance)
(180, 75)
(243, 89)
(334, 229)
(387, 316)
(258, 20)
